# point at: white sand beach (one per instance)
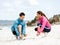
(53, 38)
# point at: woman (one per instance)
(43, 23)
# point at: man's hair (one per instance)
(22, 14)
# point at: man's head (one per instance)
(22, 15)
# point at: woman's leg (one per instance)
(46, 31)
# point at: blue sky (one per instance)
(10, 9)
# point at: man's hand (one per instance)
(25, 35)
(21, 36)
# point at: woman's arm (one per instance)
(43, 25)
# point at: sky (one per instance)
(10, 9)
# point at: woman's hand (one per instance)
(38, 31)
(38, 34)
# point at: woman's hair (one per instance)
(42, 14)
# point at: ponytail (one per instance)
(42, 14)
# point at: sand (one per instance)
(53, 38)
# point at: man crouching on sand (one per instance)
(19, 27)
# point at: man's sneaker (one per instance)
(25, 35)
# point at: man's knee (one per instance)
(20, 26)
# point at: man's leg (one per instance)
(16, 37)
(24, 30)
(20, 31)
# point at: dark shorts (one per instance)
(46, 29)
(14, 32)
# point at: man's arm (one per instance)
(24, 28)
(16, 27)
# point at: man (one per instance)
(19, 26)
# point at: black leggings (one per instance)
(46, 29)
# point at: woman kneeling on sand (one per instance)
(43, 23)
